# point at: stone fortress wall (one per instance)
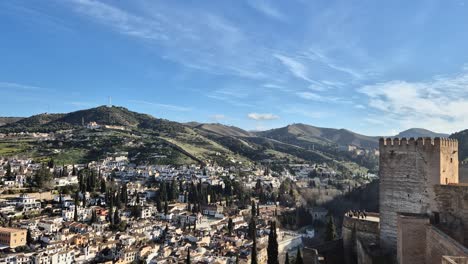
(409, 168)
(423, 207)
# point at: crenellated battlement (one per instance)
(419, 142)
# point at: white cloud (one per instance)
(164, 106)
(120, 20)
(321, 98)
(18, 86)
(265, 116)
(218, 117)
(267, 9)
(294, 66)
(439, 104)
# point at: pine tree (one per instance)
(166, 208)
(299, 259)
(286, 259)
(330, 233)
(272, 245)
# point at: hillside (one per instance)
(153, 140)
(301, 134)
(224, 130)
(9, 120)
(419, 132)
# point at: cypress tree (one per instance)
(286, 259)
(252, 228)
(158, 203)
(29, 238)
(75, 216)
(330, 233)
(253, 211)
(116, 217)
(272, 245)
(299, 259)
(188, 256)
(253, 257)
(230, 226)
(166, 208)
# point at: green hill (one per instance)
(153, 140)
(310, 136)
(224, 130)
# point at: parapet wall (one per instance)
(359, 229)
(439, 244)
(412, 238)
(452, 207)
(426, 143)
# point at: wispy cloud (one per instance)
(294, 66)
(304, 111)
(321, 98)
(440, 103)
(19, 86)
(120, 20)
(264, 116)
(218, 117)
(320, 56)
(266, 8)
(164, 106)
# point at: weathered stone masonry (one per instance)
(409, 170)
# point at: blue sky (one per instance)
(375, 67)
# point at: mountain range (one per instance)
(150, 139)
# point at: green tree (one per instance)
(188, 256)
(43, 177)
(124, 194)
(253, 256)
(272, 248)
(77, 198)
(330, 233)
(8, 170)
(299, 259)
(50, 163)
(286, 259)
(166, 208)
(94, 217)
(252, 228)
(116, 217)
(230, 226)
(253, 211)
(29, 239)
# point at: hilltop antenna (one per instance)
(110, 101)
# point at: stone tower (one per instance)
(409, 169)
